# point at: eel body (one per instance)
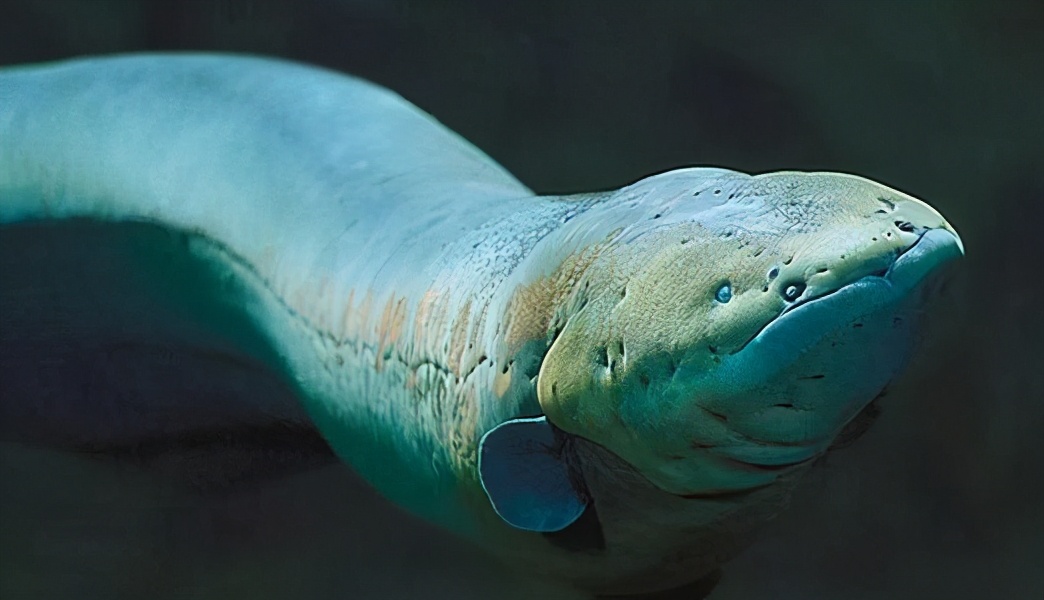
(614, 389)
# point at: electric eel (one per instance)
(613, 389)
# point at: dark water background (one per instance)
(945, 100)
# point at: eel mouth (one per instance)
(914, 252)
(909, 277)
(929, 253)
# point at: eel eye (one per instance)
(793, 291)
(724, 293)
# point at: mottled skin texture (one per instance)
(659, 335)
(360, 260)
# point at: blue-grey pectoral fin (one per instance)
(527, 478)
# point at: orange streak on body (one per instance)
(389, 329)
(459, 337)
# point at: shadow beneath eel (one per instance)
(696, 590)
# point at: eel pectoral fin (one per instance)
(526, 475)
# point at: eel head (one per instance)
(728, 340)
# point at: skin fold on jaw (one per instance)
(674, 361)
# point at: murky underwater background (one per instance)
(944, 100)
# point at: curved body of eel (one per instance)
(613, 389)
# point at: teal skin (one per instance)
(613, 389)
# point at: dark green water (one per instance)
(944, 100)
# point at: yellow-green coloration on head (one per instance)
(649, 366)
